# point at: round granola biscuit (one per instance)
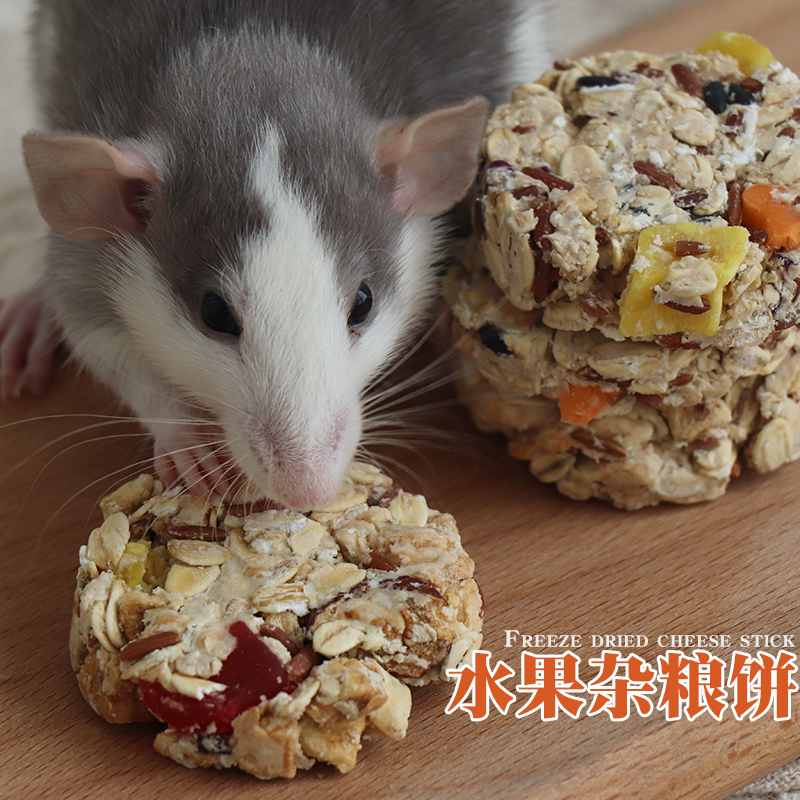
(265, 638)
(632, 288)
(583, 162)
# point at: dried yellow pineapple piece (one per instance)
(745, 49)
(133, 563)
(676, 281)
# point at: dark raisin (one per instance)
(758, 236)
(715, 96)
(492, 339)
(602, 236)
(589, 81)
(739, 96)
(218, 744)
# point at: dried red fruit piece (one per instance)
(250, 673)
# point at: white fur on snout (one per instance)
(299, 387)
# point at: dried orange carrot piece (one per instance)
(766, 207)
(581, 404)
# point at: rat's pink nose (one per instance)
(305, 489)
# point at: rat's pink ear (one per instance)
(88, 188)
(432, 159)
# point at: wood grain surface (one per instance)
(546, 565)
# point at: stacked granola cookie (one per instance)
(264, 638)
(626, 309)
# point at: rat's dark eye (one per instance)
(362, 306)
(218, 315)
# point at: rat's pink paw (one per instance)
(194, 455)
(29, 337)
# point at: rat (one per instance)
(246, 200)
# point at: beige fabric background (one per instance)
(577, 24)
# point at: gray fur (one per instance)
(196, 76)
(194, 84)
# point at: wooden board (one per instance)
(546, 566)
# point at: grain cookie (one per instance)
(636, 264)
(269, 639)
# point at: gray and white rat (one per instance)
(245, 198)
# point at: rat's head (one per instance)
(266, 289)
